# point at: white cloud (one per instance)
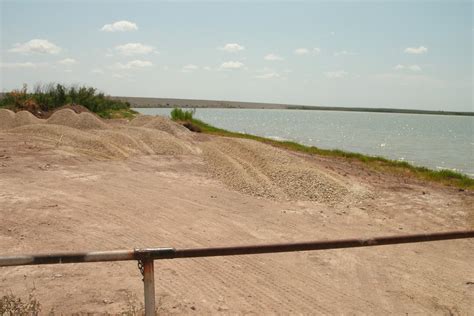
(270, 75)
(39, 46)
(134, 49)
(67, 61)
(207, 68)
(120, 26)
(232, 48)
(416, 50)
(407, 67)
(343, 53)
(301, 51)
(306, 51)
(134, 64)
(273, 57)
(231, 65)
(336, 74)
(18, 65)
(97, 71)
(189, 68)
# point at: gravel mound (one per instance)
(86, 134)
(141, 120)
(72, 139)
(82, 121)
(262, 170)
(24, 118)
(160, 123)
(89, 121)
(66, 117)
(7, 118)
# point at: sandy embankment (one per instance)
(75, 182)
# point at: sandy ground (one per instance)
(62, 194)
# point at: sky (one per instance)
(398, 54)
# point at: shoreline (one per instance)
(143, 102)
(444, 176)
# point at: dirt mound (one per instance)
(160, 123)
(25, 118)
(141, 120)
(74, 107)
(83, 121)
(120, 142)
(6, 119)
(262, 170)
(137, 140)
(71, 139)
(66, 117)
(89, 121)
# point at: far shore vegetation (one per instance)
(46, 98)
(444, 176)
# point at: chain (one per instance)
(141, 267)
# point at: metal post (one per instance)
(149, 286)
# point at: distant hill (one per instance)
(139, 102)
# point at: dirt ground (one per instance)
(54, 198)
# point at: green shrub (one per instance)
(51, 96)
(178, 114)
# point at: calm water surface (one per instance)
(434, 141)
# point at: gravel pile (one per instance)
(89, 121)
(82, 121)
(9, 119)
(6, 119)
(66, 117)
(86, 134)
(160, 123)
(262, 170)
(71, 139)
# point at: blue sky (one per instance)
(407, 54)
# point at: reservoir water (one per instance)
(433, 141)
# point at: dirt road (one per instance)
(56, 198)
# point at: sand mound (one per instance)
(92, 137)
(72, 139)
(160, 123)
(89, 121)
(6, 119)
(82, 121)
(66, 117)
(25, 118)
(263, 170)
(137, 140)
(141, 120)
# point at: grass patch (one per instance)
(446, 177)
(12, 305)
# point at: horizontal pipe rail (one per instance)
(171, 253)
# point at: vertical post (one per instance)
(149, 286)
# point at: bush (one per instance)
(51, 96)
(180, 115)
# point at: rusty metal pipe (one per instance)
(149, 286)
(318, 245)
(171, 253)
